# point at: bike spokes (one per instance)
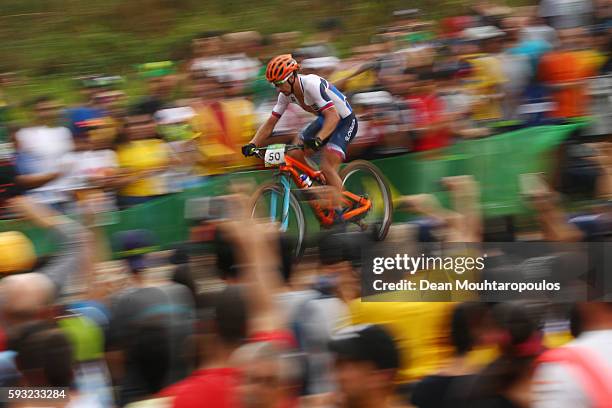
(367, 188)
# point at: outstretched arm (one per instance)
(428, 205)
(74, 241)
(368, 66)
(35, 180)
(253, 244)
(551, 217)
(465, 198)
(464, 222)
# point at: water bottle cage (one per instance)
(306, 181)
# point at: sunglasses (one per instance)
(276, 84)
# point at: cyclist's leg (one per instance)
(298, 154)
(334, 154)
(330, 163)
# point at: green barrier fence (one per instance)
(495, 162)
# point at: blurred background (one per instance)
(131, 276)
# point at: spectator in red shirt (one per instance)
(216, 381)
(427, 113)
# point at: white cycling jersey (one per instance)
(319, 95)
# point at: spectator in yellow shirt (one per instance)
(419, 326)
(419, 329)
(487, 79)
(143, 158)
(225, 121)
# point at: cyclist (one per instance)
(334, 128)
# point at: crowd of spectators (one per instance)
(417, 86)
(246, 325)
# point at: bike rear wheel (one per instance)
(363, 178)
(268, 203)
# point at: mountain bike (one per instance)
(366, 196)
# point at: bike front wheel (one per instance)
(363, 178)
(269, 202)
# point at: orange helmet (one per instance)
(280, 67)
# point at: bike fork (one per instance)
(286, 192)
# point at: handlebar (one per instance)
(260, 151)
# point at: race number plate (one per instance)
(275, 155)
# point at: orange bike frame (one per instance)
(293, 167)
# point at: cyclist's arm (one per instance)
(330, 121)
(315, 90)
(265, 130)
